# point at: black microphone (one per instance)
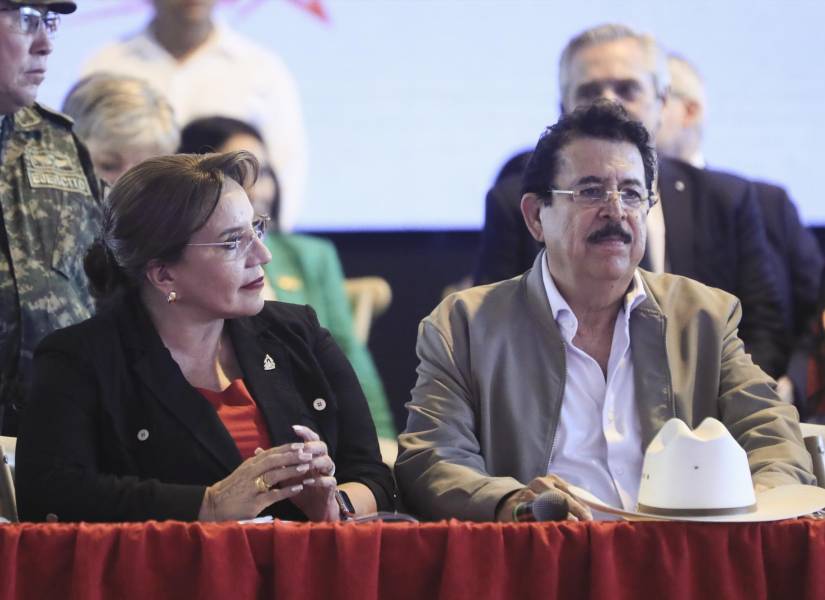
(548, 506)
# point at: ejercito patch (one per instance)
(55, 170)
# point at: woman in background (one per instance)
(187, 397)
(304, 269)
(122, 121)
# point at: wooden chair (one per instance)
(8, 502)
(814, 436)
(368, 298)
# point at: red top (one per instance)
(241, 417)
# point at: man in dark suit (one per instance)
(709, 226)
(796, 257)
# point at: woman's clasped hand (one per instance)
(300, 471)
(317, 499)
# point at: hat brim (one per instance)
(58, 6)
(775, 504)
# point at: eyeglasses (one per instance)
(30, 20)
(632, 198)
(239, 244)
(627, 90)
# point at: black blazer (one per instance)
(101, 386)
(715, 235)
(798, 258)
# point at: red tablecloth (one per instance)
(398, 561)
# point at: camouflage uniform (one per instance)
(50, 214)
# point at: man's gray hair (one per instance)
(612, 32)
(685, 80)
(122, 112)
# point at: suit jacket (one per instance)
(114, 432)
(491, 379)
(797, 259)
(306, 270)
(714, 234)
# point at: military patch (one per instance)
(56, 170)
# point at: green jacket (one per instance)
(306, 270)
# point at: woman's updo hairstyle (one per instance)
(152, 212)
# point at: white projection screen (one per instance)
(411, 106)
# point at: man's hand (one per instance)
(578, 511)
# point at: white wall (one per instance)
(412, 105)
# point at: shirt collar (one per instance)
(562, 313)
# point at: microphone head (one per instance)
(550, 506)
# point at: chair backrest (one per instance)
(814, 437)
(8, 500)
(368, 297)
(809, 429)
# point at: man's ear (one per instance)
(693, 113)
(160, 276)
(531, 206)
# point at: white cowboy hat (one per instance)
(703, 475)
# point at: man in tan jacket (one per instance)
(564, 374)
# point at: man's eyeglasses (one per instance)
(238, 245)
(30, 20)
(630, 197)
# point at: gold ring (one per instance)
(261, 485)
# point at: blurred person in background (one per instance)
(187, 396)
(204, 68)
(304, 269)
(683, 116)
(49, 198)
(122, 120)
(796, 259)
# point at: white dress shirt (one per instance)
(226, 76)
(598, 443)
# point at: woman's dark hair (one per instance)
(209, 134)
(152, 212)
(602, 120)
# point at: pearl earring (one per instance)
(172, 297)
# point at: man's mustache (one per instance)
(610, 230)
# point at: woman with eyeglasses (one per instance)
(187, 397)
(304, 269)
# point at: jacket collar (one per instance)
(549, 386)
(651, 368)
(267, 369)
(157, 370)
